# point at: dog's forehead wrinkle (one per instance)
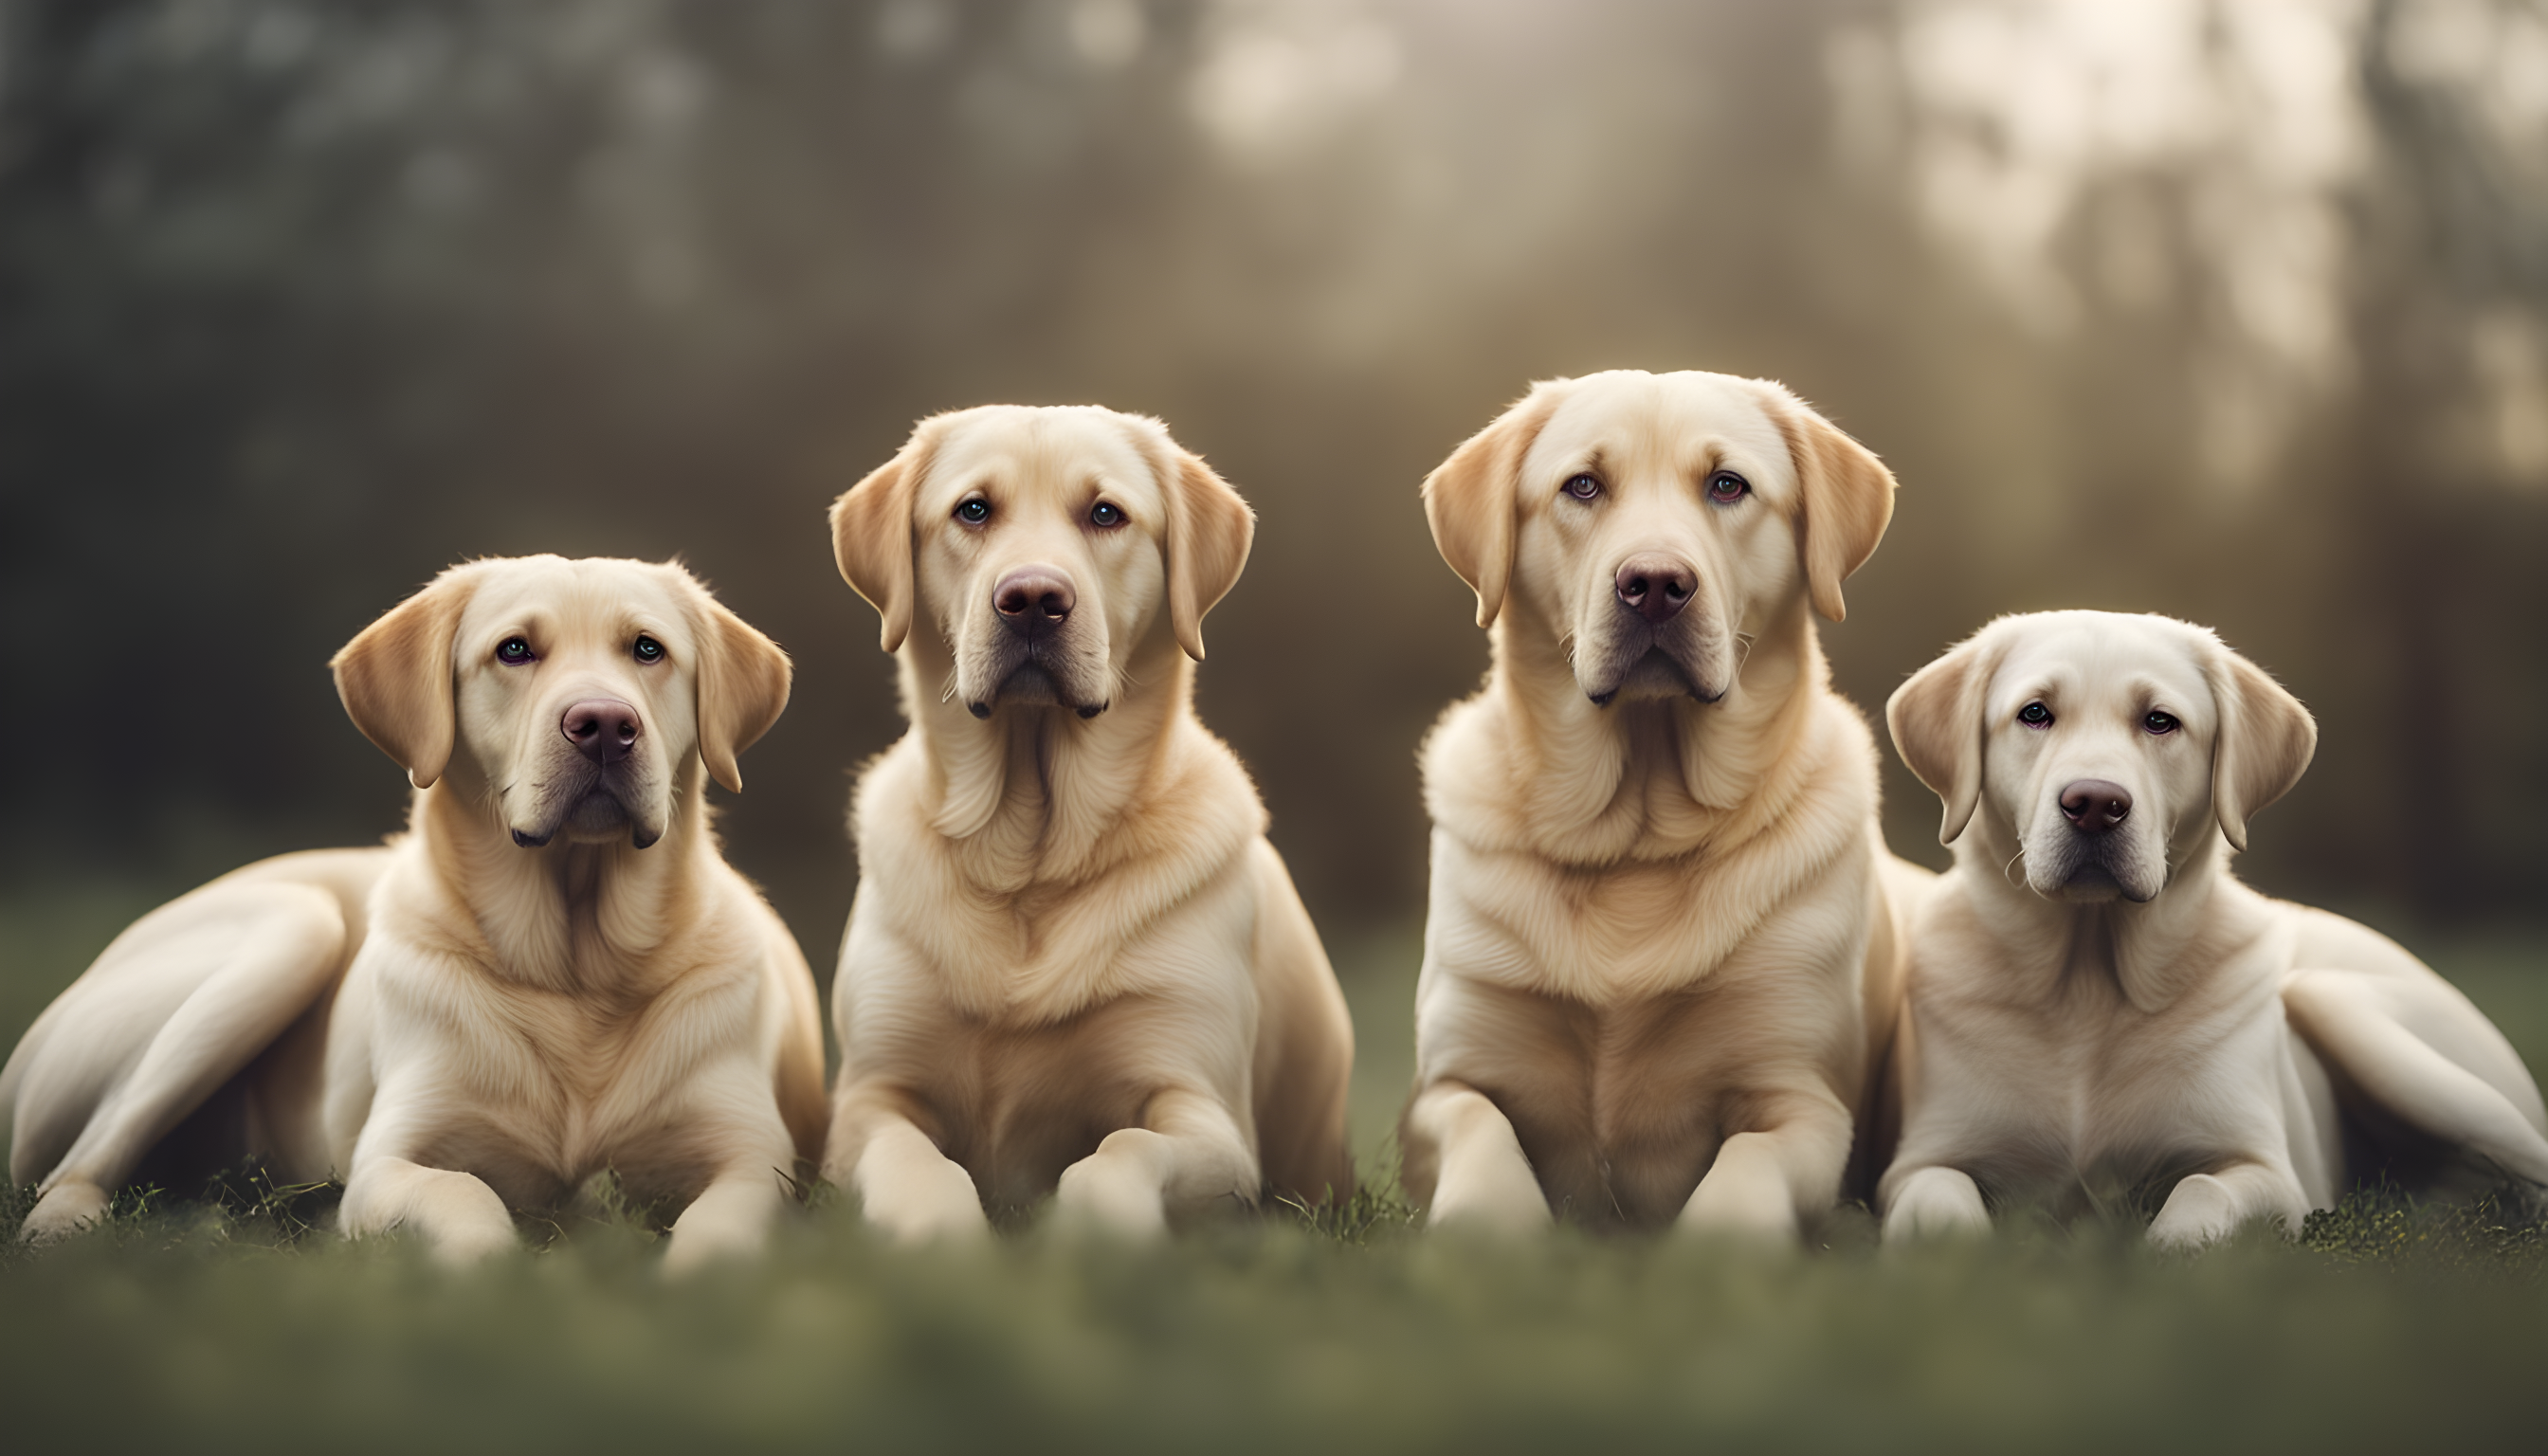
(601, 599)
(1668, 433)
(2092, 662)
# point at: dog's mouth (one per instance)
(2092, 878)
(2091, 883)
(1034, 681)
(589, 807)
(1654, 675)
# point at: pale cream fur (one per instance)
(502, 1002)
(2115, 1020)
(1075, 965)
(1661, 957)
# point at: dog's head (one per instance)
(2106, 747)
(1037, 544)
(575, 692)
(1648, 520)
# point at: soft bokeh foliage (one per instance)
(2234, 311)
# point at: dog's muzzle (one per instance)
(1029, 662)
(1651, 646)
(591, 792)
(2090, 857)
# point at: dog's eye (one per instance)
(1725, 487)
(514, 649)
(1104, 515)
(973, 511)
(2035, 715)
(1582, 487)
(2159, 722)
(648, 649)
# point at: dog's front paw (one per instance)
(68, 1208)
(465, 1248)
(2202, 1211)
(1937, 1202)
(1117, 1189)
(1100, 1200)
(1734, 1211)
(941, 1209)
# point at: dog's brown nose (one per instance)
(1655, 587)
(1033, 597)
(602, 729)
(2095, 805)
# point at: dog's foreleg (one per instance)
(1765, 1181)
(2208, 1206)
(908, 1188)
(2340, 1013)
(1187, 1157)
(282, 946)
(1483, 1178)
(1931, 1203)
(462, 1220)
(730, 1219)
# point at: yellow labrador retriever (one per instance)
(2098, 1011)
(1660, 958)
(1075, 963)
(553, 973)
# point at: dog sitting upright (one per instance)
(1074, 966)
(551, 974)
(1660, 958)
(2099, 1011)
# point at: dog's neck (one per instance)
(1033, 794)
(2152, 953)
(579, 917)
(1650, 780)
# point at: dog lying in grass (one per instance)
(2099, 1011)
(1075, 967)
(551, 974)
(1661, 954)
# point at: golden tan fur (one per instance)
(1660, 957)
(2110, 1017)
(1074, 963)
(551, 974)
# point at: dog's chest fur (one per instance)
(589, 1068)
(1626, 1016)
(1017, 1105)
(1622, 1108)
(1031, 1002)
(2061, 1091)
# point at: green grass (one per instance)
(239, 1322)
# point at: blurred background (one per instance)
(2236, 310)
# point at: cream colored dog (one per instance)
(2099, 1012)
(1660, 959)
(1074, 961)
(550, 974)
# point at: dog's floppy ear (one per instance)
(394, 677)
(1847, 498)
(2264, 744)
(871, 531)
(1472, 500)
(1936, 720)
(1210, 532)
(743, 683)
